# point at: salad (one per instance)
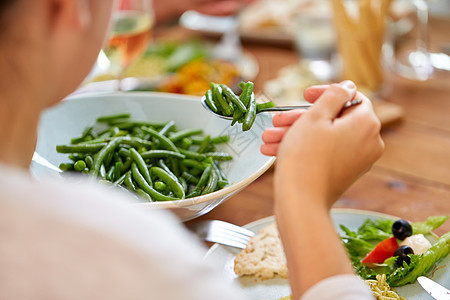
(397, 249)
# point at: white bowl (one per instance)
(68, 119)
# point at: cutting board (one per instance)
(389, 113)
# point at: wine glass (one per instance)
(130, 33)
(416, 63)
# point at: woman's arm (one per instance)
(321, 152)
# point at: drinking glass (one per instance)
(130, 33)
(415, 63)
(315, 39)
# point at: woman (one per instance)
(64, 240)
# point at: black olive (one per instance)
(402, 255)
(401, 229)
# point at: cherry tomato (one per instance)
(382, 251)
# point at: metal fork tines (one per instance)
(221, 232)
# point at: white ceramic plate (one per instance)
(68, 119)
(276, 288)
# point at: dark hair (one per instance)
(4, 5)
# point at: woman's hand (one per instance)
(321, 150)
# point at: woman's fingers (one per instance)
(274, 135)
(366, 102)
(330, 103)
(312, 93)
(269, 149)
(272, 138)
(287, 118)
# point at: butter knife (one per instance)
(436, 290)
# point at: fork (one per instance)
(221, 232)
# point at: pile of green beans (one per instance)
(154, 160)
(222, 100)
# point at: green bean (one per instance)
(130, 124)
(215, 140)
(206, 142)
(111, 118)
(212, 182)
(219, 100)
(118, 169)
(262, 106)
(221, 174)
(230, 95)
(192, 154)
(189, 177)
(141, 193)
(249, 117)
(175, 166)
(247, 90)
(89, 161)
(209, 101)
(96, 141)
(80, 148)
(167, 169)
(221, 184)
(237, 114)
(76, 157)
(167, 128)
(87, 133)
(152, 154)
(136, 142)
(201, 183)
(98, 160)
(79, 166)
(142, 183)
(102, 171)
(127, 164)
(108, 159)
(222, 180)
(183, 184)
(196, 172)
(220, 139)
(124, 152)
(137, 158)
(78, 140)
(110, 174)
(174, 185)
(184, 133)
(129, 182)
(219, 155)
(114, 131)
(164, 141)
(121, 180)
(193, 164)
(66, 166)
(185, 144)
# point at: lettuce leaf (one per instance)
(429, 225)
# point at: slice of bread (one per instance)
(263, 257)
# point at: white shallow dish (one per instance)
(68, 119)
(274, 289)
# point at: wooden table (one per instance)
(412, 178)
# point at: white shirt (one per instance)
(61, 240)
